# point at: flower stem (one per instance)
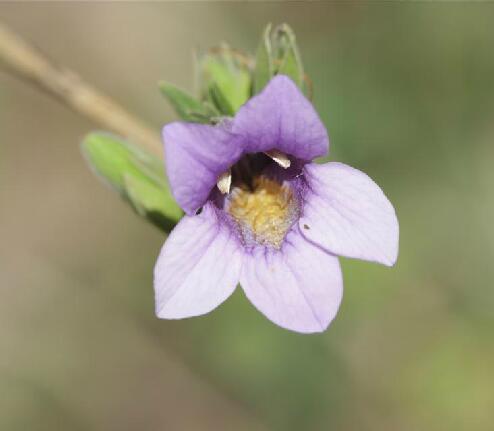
(23, 60)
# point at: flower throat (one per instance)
(263, 208)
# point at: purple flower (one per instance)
(260, 213)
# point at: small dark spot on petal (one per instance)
(306, 227)
(199, 211)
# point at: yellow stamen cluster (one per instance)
(265, 212)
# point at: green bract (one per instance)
(137, 175)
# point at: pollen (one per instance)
(263, 212)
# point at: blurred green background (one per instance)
(407, 93)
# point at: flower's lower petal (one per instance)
(195, 156)
(298, 287)
(198, 267)
(281, 118)
(346, 213)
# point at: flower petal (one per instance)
(281, 118)
(195, 156)
(346, 213)
(192, 275)
(298, 287)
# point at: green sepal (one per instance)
(264, 70)
(220, 100)
(278, 54)
(137, 175)
(187, 107)
(287, 54)
(225, 79)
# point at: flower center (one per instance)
(264, 211)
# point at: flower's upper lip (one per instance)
(279, 118)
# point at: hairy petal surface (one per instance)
(281, 118)
(346, 213)
(298, 287)
(198, 267)
(195, 156)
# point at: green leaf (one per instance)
(264, 61)
(288, 56)
(187, 107)
(148, 201)
(137, 175)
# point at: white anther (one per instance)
(279, 157)
(224, 182)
